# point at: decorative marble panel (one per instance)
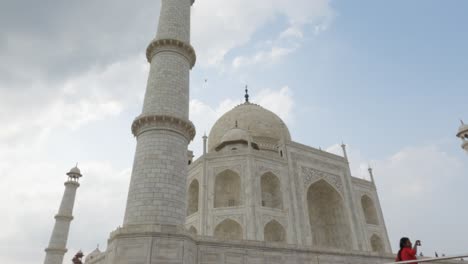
(311, 175)
(266, 218)
(237, 169)
(239, 218)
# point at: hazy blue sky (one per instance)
(389, 78)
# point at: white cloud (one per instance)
(235, 22)
(291, 32)
(27, 217)
(420, 189)
(270, 56)
(272, 51)
(97, 94)
(32, 175)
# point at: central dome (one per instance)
(262, 125)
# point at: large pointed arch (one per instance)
(377, 244)
(274, 232)
(227, 192)
(271, 191)
(229, 230)
(192, 196)
(327, 217)
(370, 213)
(192, 230)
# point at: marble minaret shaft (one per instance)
(157, 193)
(58, 240)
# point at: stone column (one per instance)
(153, 228)
(157, 189)
(58, 240)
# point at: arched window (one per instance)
(271, 191)
(227, 189)
(274, 232)
(369, 210)
(376, 244)
(328, 221)
(192, 230)
(192, 204)
(228, 230)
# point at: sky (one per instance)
(388, 78)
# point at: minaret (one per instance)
(58, 240)
(371, 174)
(153, 227)
(204, 143)
(157, 193)
(345, 154)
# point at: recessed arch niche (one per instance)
(192, 196)
(376, 244)
(227, 190)
(274, 232)
(328, 220)
(271, 191)
(228, 230)
(370, 213)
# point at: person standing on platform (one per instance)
(407, 250)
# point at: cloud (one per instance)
(263, 57)
(420, 188)
(102, 193)
(272, 51)
(32, 175)
(235, 22)
(58, 40)
(94, 95)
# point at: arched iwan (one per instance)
(227, 189)
(192, 196)
(377, 244)
(228, 230)
(271, 191)
(368, 208)
(274, 232)
(327, 217)
(192, 230)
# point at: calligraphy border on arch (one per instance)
(262, 169)
(311, 175)
(239, 218)
(235, 168)
(266, 218)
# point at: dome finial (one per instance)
(246, 94)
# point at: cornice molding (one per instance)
(174, 45)
(64, 217)
(56, 250)
(145, 123)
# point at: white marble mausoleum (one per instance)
(255, 196)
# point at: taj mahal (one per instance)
(255, 196)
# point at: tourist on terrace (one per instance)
(407, 251)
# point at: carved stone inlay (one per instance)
(311, 175)
(174, 45)
(262, 169)
(267, 218)
(235, 168)
(163, 122)
(238, 218)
